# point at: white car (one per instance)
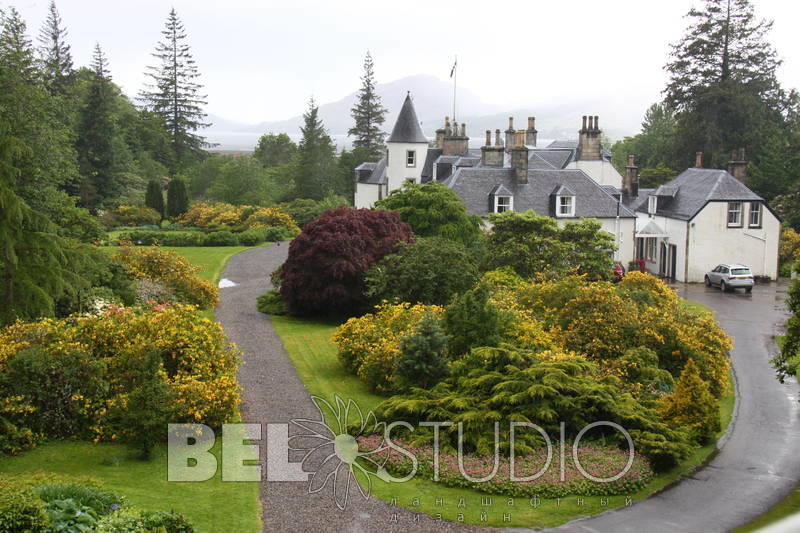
(730, 277)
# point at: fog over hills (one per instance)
(433, 100)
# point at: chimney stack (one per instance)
(492, 156)
(455, 140)
(630, 183)
(519, 158)
(440, 134)
(589, 148)
(698, 160)
(530, 133)
(510, 134)
(737, 166)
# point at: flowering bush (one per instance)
(172, 270)
(369, 345)
(600, 462)
(196, 362)
(215, 216)
(131, 215)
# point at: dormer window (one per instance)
(652, 204)
(411, 158)
(503, 204)
(565, 206)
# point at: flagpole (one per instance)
(455, 81)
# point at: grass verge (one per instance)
(313, 353)
(211, 506)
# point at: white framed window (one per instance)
(652, 204)
(503, 204)
(565, 206)
(734, 214)
(411, 158)
(650, 249)
(755, 215)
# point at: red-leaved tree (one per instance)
(324, 273)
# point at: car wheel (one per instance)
(723, 287)
(708, 282)
(748, 290)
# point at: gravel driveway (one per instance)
(273, 393)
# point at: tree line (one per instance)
(723, 94)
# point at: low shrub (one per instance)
(102, 501)
(221, 238)
(271, 303)
(69, 516)
(172, 270)
(130, 215)
(252, 236)
(369, 345)
(214, 216)
(164, 238)
(131, 520)
(21, 510)
(598, 461)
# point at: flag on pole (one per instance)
(453, 70)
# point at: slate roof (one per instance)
(427, 168)
(406, 129)
(378, 175)
(693, 189)
(474, 186)
(545, 158)
(572, 144)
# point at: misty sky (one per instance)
(262, 60)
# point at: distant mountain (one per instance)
(433, 100)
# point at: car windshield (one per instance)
(740, 271)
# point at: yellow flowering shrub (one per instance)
(789, 247)
(199, 364)
(369, 345)
(169, 268)
(237, 217)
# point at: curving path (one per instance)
(273, 393)
(758, 463)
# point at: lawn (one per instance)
(789, 506)
(314, 355)
(211, 506)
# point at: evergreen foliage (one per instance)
(177, 198)
(429, 271)
(56, 57)
(154, 198)
(431, 209)
(174, 94)
(275, 150)
(423, 356)
(472, 320)
(316, 169)
(368, 114)
(692, 405)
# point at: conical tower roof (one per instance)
(406, 129)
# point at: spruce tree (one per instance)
(316, 171)
(16, 50)
(723, 85)
(177, 198)
(423, 356)
(96, 134)
(368, 114)
(174, 94)
(154, 196)
(56, 58)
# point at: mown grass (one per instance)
(313, 353)
(211, 506)
(789, 506)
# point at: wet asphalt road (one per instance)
(758, 463)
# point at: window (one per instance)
(741, 272)
(565, 206)
(411, 180)
(734, 214)
(755, 215)
(503, 204)
(650, 249)
(411, 158)
(652, 204)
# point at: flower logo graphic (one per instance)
(332, 451)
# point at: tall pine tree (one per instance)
(316, 169)
(368, 114)
(174, 94)
(97, 130)
(16, 50)
(56, 58)
(723, 86)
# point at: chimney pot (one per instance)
(631, 160)
(698, 160)
(488, 138)
(584, 122)
(591, 123)
(463, 129)
(510, 123)
(531, 123)
(597, 123)
(497, 140)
